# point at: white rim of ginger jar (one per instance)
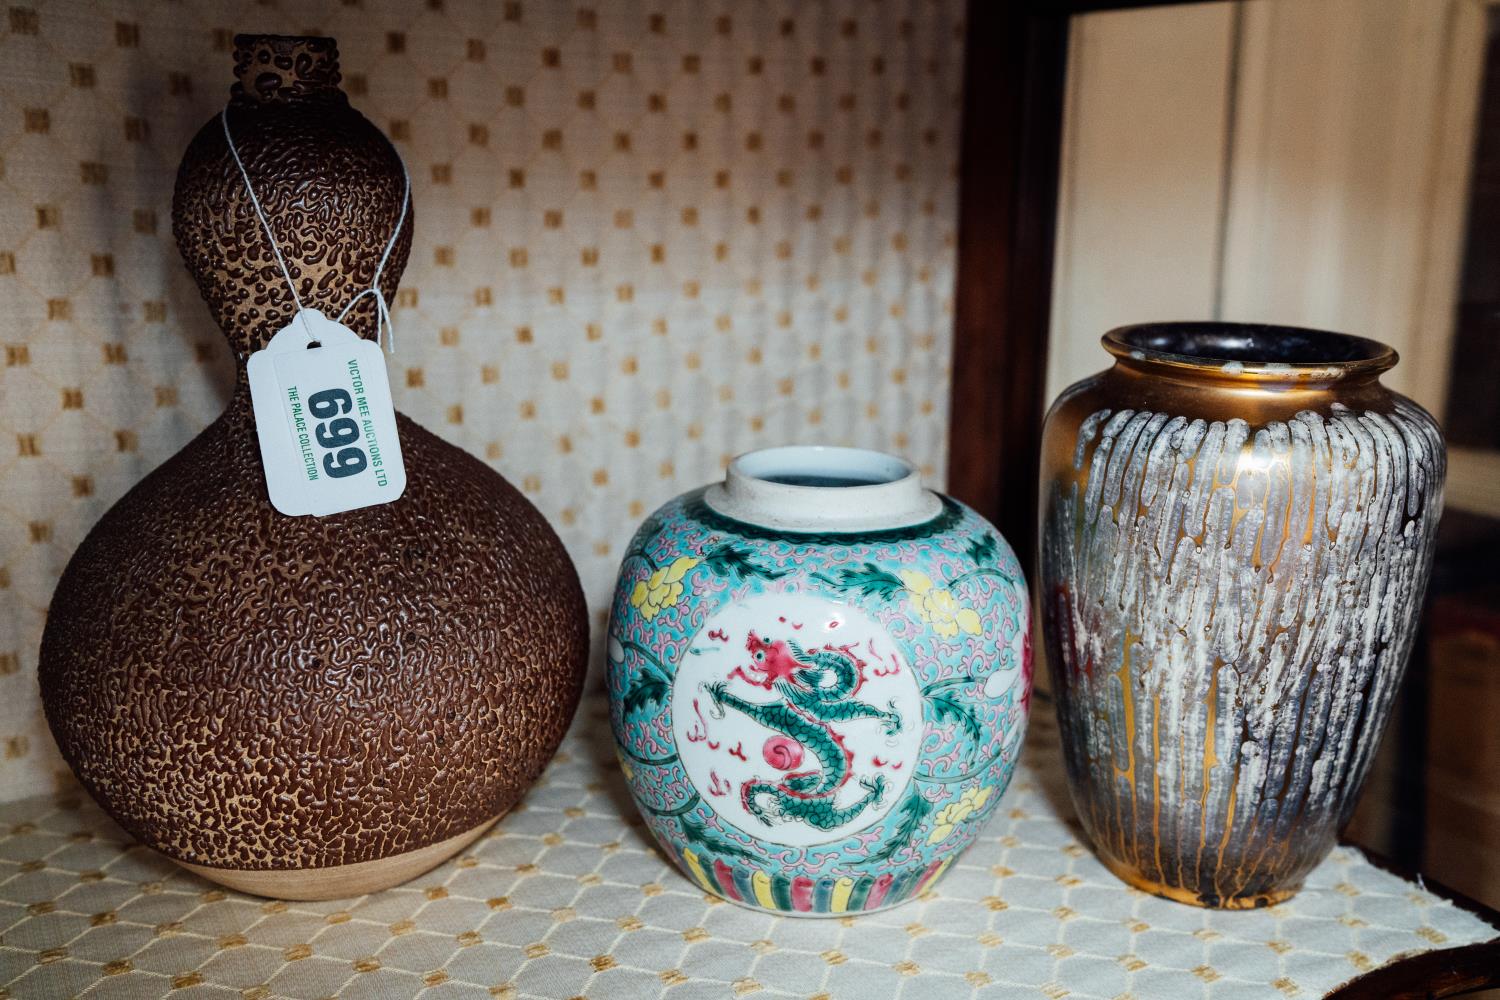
(890, 495)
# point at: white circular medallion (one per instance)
(798, 720)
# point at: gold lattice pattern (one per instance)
(648, 236)
(567, 898)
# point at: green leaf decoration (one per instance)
(701, 836)
(728, 560)
(644, 536)
(650, 688)
(911, 812)
(869, 579)
(636, 758)
(946, 708)
(983, 550)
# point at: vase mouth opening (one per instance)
(811, 488)
(822, 468)
(1254, 352)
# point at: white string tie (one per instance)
(383, 320)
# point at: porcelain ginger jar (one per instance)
(1237, 528)
(308, 707)
(819, 677)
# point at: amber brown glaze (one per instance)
(250, 692)
(1237, 526)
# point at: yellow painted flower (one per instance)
(938, 607)
(954, 813)
(663, 589)
(625, 766)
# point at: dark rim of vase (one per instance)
(1251, 349)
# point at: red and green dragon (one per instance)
(818, 688)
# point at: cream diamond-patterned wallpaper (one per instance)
(649, 235)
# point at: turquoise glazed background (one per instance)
(817, 723)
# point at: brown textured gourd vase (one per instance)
(1237, 528)
(308, 707)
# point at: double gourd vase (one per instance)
(819, 677)
(1236, 532)
(307, 707)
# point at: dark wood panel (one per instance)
(1473, 412)
(1008, 176)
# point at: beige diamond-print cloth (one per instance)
(650, 234)
(568, 898)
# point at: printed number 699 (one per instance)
(336, 434)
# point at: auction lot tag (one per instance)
(325, 420)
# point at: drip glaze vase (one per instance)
(1236, 532)
(307, 707)
(819, 676)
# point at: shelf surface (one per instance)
(568, 897)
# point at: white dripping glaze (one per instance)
(1276, 572)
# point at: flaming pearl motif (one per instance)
(782, 752)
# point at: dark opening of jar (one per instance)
(1248, 347)
(815, 488)
(823, 467)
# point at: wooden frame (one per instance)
(1014, 79)
(1015, 67)
(1015, 71)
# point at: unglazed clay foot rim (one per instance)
(1177, 894)
(345, 880)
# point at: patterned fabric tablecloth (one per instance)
(567, 897)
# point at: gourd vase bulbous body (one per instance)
(1237, 528)
(819, 678)
(300, 706)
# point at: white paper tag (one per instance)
(325, 420)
